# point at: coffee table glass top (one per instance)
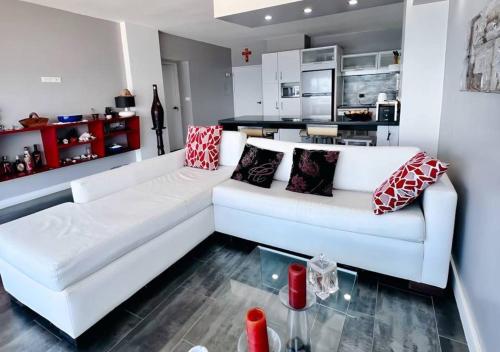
(274, 272)
(255, 282)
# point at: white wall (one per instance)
(424, 49)
(470, 141)
(86, 52)
(141, 50)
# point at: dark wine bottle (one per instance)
(37, 157)
(157, 114)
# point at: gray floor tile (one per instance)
(448, 345)
(364, 295)
(448, 318)
(14, 321)
(33, 338)
(327, 329)
(183, 346)
(165, 327)
(357, 335)
(104, 335)
(404, 322)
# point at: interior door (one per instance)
(173, 112)
(289, 66)
(247, 90)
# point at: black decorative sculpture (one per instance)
(157, 115)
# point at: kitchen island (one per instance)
(280, 122)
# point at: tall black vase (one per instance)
(158, 117)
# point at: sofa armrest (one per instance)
(439, 203)
(102, 184)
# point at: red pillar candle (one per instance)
(257, 331)
(297, 286)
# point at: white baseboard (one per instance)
(466, 315)
(4, 203)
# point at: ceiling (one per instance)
(194, 19)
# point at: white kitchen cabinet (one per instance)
(289, 66)
(290, 107)
(270, 97)
(270, 68)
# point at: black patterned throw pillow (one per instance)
(313, 171)
(257, 166)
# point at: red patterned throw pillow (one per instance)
(407, 183)
(202, 147)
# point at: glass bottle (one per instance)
(19, 165)
(37, 157)
(28, 161)
(157, 115)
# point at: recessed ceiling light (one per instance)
(268, 17)
(353, 2)
(308, 10)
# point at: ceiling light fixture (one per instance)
(268, 17)
(353, 2)
(308, 10)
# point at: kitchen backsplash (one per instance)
(370, 86)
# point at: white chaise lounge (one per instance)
(75, 262)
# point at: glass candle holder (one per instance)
(322, 276)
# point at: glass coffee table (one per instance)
(256, 283)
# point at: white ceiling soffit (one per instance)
(194, 19)
(231, 7)
(295, 11)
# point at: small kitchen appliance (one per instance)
(388, 111)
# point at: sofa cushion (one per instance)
(346, 210)
(313, 171)
(202, 147)
(62, 245)
(257, 166)
(358, 168)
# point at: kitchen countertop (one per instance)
(297, 123)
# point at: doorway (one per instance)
(173, 110)
(247, 90)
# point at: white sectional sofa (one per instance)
(75, 262)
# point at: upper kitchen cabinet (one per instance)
(289, 66)
(270, 68)
(324, 58)
(367, 61)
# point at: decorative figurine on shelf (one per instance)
(158, 120)
(37, 157)
(6, 167)
(19, 165)
(125, 100)
(28, 161)
(86, 137)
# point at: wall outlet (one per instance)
(51, 79)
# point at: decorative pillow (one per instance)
(257, 166)
(407, 183)
(202, 147)
(313, 171)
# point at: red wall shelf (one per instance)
(52, 147)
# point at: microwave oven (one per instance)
(290, 90)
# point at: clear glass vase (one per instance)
(299, 339)
(322, 276)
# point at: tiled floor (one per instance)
(186, 306)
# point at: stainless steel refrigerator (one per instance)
(317, 94)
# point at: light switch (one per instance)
(51, 79)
